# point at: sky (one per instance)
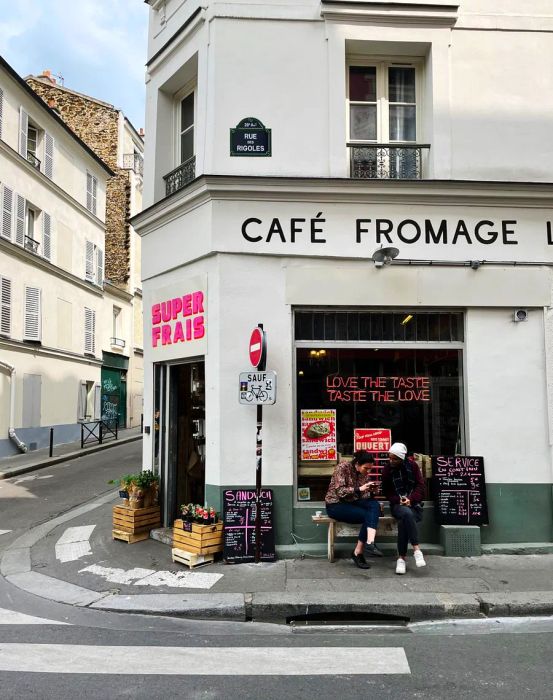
(98, 46)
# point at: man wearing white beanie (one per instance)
(403, 486)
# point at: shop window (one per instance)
(416, 393)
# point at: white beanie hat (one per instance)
(398, 449)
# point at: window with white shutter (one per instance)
(1, 110)
(89, 261)
(97, 402)
(89, 330)
(5, 306)
(99, 267)
(33, 329)
(91, 192)
(48, 155)
(47, 236)
(20, 220)
(7, 212)
(23, 129)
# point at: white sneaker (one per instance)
(400, 566)
(419, 559)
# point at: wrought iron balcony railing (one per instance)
(33, 160)
(386, 161)
(117, 342)
(181, 176)
(31, 244)
(134, 161)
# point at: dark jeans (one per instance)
(365, 510)
(407, 530)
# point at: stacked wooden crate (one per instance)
(132, 525)
(195, 544)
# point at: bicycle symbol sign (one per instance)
(257, 388)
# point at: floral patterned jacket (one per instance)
(345, 482)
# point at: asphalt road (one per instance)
(101, 655)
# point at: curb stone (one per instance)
(514, 604)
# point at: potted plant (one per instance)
(149, 484)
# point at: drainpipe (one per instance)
(11, 430)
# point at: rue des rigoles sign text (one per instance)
(250, 138)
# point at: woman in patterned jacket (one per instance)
(350, 499)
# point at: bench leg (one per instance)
(331, 534)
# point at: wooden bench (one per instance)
(387, 527)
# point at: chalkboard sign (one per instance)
(459, 488)
(250, 137)
(239, 510)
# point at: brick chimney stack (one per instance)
(48, 75)
(141, 132)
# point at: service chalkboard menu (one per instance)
(459, 488)
(239, 511)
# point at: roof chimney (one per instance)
(48, 75)
(141, 132)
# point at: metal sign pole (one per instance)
(259, 462)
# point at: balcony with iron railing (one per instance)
(181, 176)
(31, 245)
(33, 160)
(387, 161)
(135, 162)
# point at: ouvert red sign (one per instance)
(257, 346)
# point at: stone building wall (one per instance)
(97, 124)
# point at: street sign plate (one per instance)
(257, 388)
(257, 347)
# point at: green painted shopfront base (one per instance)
(520, 515)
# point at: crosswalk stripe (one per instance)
(200, 661)
(12, 617)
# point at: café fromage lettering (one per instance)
(178, 320)
(377, 389)
(389, 232)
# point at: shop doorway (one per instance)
(186, 437)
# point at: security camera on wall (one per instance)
(520, 315)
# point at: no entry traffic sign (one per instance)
(258, 348)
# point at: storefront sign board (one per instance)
(318, 434)
(257, 388)
(459, 488)
(372, 440)
(175, 319)
(239, 511)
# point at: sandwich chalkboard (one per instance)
(459, 488)
(239, 510)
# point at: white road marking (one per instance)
(32, 478)
(74, 544)
(151, 577)
(11, 617)
(198, 661)
(4, 532)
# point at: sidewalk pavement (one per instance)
(74, 560)
(39, 459)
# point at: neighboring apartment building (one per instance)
(52, 238)
(287, 143)
(114, 139)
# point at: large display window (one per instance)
(387, 392)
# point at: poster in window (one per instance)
(318, 434)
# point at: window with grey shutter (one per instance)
(89, 262)
(23, 129)
(47, 235)
(99, 267)
(1, 110)
(91, 192)
(81, 402)
(5, 306)
(32, 330)
(97, 402)
(7, 212)
(20, 220)
(48, 155)
(89, 330)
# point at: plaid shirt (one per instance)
(345, 483)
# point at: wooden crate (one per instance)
(129, 536)
(201, 539)
(135, 521)
(190, 559)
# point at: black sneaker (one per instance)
(360, 561)
(372, 550)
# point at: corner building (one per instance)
(416, 126)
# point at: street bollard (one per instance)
(51, 442)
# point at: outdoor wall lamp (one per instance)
(384, 256)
